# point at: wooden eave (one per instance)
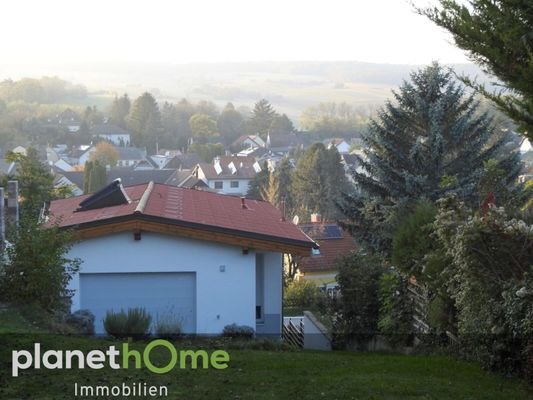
(143, 223)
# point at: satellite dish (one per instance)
(296, 220)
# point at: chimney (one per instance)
(316, 218)
(243, 203)
(13, 202)
(282, 206)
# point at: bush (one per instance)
(235, 331)
(82, 321)
(135, 323)
(358, 306)
(303, 294)
(36, 270)
(395, 312)
(168, 327)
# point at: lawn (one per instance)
(261, 374)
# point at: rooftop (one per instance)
(184, 212)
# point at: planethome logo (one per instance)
(117, 358)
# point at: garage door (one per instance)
(164, 295)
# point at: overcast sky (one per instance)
(384, 31)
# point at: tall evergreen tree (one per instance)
(283, 175)
(317, 182)
(263, 116)
(259, 183)
(430, 142)
(144, 120)
(95, 177)
(230, 123)
(497, 35)
(120, 109)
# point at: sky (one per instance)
(160, 31)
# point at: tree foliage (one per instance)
(94, 177)
(203, 126)
(318, 182)
(263, 116)
(37, 270)
(144, 120)
(36, 183)
(105, 153)
(428, 143)
(120, 108)
(358, 277)
(497, 35)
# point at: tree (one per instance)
(203, 126)
(334, 119)
(497, 35)
(207, 151)
(358, 277)
(144, 120)
(427, 145)
(318, 181)
(283, 178)
(95, 176)
(230, 123)
(37, 271)
(120, 109)
(259, 183)
(281, 125)
(262, 118)
(105, 153)
(36, 183)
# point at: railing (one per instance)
(293, 331)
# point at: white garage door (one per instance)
(167, 296)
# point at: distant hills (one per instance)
(289, 86)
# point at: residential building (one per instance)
(200, 258)
(228, 174)
(334, 243)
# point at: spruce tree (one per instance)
(430, 142)
(497, 35)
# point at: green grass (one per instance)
(255, 374)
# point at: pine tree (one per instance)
(144, 120)
(317, 182)
(432, 141)
(120, 109)
(263, 116)
(497, 35)
(230, 123)
(258, 183)
(283, 177)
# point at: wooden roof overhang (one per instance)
(138, 223)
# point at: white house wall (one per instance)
(224, 295)
(226, 186)
(273, 283)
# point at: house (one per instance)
(248, 141)
(334, 242)
(342, 146)
(128, 156)
(228, 174)
(128, 177)
(201, 258)
(112, 133)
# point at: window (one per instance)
(234, 184)
(218, 184)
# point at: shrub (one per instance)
(395, 312)
(358, 306)
(303, 294)
(235, 331)
(168, 327)
(36, 270)
(82, 321)
(135, 323)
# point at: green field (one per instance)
(258, 374)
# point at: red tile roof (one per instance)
(187, 207)
(331, 248)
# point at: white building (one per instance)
(204, 259)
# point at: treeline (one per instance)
(46, 90)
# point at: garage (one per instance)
(165, 295)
